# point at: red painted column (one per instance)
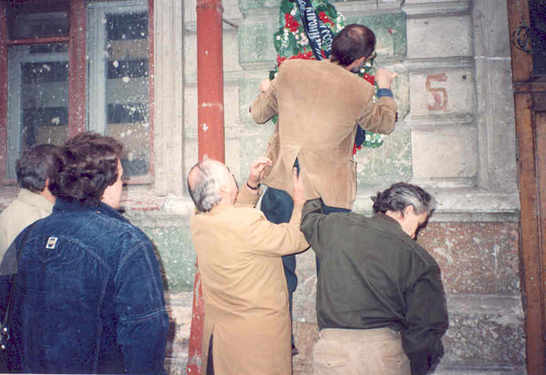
(210, 123)
(210, 80)
(77, 101)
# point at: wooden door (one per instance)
(530, 106)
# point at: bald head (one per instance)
(210, 183)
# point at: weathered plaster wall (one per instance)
(455, 137)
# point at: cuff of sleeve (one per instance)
(384, 92)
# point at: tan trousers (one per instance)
(360, 352)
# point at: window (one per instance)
(55, 90)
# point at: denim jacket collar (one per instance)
(63, 205)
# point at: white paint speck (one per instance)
(126, 79)
(115, 63)
(205, 127)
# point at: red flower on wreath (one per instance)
(308, 55)
(291, 23)
(324, 18)
(369, 78)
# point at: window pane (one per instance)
(29, 21)
(119, 69)
(38, 98)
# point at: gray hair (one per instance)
(207, 180)
(402, 195)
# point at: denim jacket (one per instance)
(88, 295)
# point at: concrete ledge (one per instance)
(436, 8)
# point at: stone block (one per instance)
(475, 258)
(248, 91)
(485, 339)
(378, 168)
(439, 37)
(253, 144)
(495, 112)
(442, 93)
(446, 152)
(491, 32)
(173, 245)
(190, 112)
(401, 89)
(229, 47)
(231, 107)
(256, 43)
(179, 308)
(433, 1)
(390, 31)
(249, 6)
(304, 308)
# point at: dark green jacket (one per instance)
(373, 275)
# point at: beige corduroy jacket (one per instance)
(246, 299)
(319, 104)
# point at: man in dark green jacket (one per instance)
(380, 302)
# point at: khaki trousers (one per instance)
(360, 352)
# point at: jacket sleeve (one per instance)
(312, 220)
(272, 239)
(140, 306)
(378, 117)
(265, 106)
(427, 322)
(247, 198)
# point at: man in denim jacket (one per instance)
(88, 296)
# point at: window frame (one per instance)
(77, 79)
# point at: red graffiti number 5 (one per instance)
(439, 94)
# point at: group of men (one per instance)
(81, 289)
(380, 301)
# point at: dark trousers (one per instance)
(277, 207)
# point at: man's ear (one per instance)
(407, 210)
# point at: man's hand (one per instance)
(264, 86)
(299, 193)
(384, 78)
(257, 172)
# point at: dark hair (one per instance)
(35, 166)
(87, 165)
(352, 43)
(402, 195)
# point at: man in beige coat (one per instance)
(34, 200)
(320, 105)
(239, 254)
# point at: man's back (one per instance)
(88, 295)
(373, 275)
(319, 104)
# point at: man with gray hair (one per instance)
(34, 200)
(247, 323)
(380, 301)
